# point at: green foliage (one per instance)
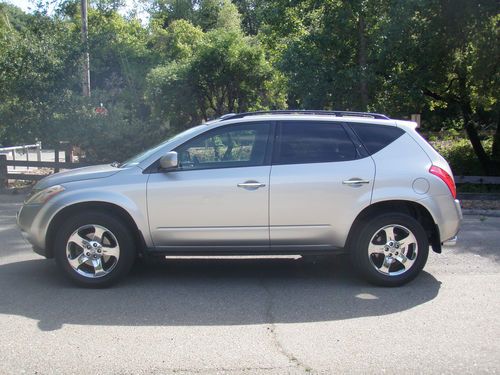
(177, 41)
(34, 73)
(209, 74)
(170, 95)
(197, 59)
(460, 155)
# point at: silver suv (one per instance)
(278, 182)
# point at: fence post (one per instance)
(14, 157)
(3, 171)
(56, 157)
(65, 146)
(67, 153)
(27, 151)
(39, 151)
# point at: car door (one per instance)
(320, 181)
(218, 197)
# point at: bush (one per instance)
(460, 155)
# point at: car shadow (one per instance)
(206, 292)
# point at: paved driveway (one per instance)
(252, 316)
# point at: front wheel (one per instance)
(390, 250)
(94, 249)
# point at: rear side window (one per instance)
(376, 137)
(313, 142)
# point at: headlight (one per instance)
(44, 195)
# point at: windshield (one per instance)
(147, 153)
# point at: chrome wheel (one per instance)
(393, 250)
(92, 251)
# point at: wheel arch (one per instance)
(414, 209)
(108, 208)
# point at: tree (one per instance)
(35, 71)
(326, 50)
(436, 57)
(207, 74)
(445, 55)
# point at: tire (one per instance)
(94, 249)
(390, 250)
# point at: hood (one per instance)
(78, 174)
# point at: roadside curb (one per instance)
(472, 211)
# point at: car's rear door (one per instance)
(320, 180)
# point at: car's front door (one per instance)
(218, 197)
(320, 181)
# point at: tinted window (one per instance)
(313, 142)
(376, 137)
(229, 146)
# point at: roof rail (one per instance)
(231, 116)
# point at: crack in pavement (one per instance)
(208, 370)
(274, 335)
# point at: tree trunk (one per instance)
(473, 136)
(470, 128)
(495, 152)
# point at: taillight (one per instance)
(447, 179)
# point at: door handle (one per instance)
(355, 182)
(251, 185)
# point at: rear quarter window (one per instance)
(376, 137)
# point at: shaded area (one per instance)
(207, 292)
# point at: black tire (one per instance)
(122, 234)
(367, 265)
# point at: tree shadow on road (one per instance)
(207, 292)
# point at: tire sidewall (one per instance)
(361, 259)
(113, 224)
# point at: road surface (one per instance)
(252, 316)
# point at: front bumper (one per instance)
(25, 221)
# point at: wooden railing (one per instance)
(487, 180)
(69, 164)
(55, 165)
(24, 148)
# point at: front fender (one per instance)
(130, 197)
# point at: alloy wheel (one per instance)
(92, 251)
(393, 250)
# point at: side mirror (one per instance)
(169, 161)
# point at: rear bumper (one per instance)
(451, 242)
(447, 215)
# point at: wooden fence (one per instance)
(56, 165)
(68, 163)
(25, 148)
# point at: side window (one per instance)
(238, 145)
(313, 142)
(376, 137)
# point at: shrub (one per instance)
(461, 156)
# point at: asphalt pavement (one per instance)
(252, 316)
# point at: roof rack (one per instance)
(232, 116)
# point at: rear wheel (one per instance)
(94, 249)
(390, 250)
